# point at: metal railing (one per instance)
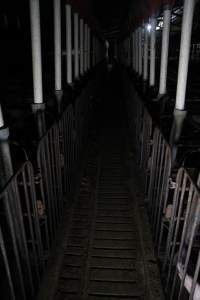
(146, 147)
(182, 258)
(21, 247)
(159, 181)
(49, 168)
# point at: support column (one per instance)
(145, 66)
(1, 117)
(140, 51)
(165, 50)
(93, 51)
(179, 112)
(184, 53)
(133, 51)
(85, 47)
(88, 52)
(76, 49)
(137, 51)
(69, 43)
(152, 52)
(81, 48)
(38, 106)
(6, 169)
(58, 53)
(36, 51)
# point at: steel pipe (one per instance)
(36, 51)
(76, 45)
(57, 45)
(188, 13)
(88, 50)
(165, 50)
(152, 52)
(1, 117)
(140, 51)
(85, 47)
(145, 66)
(69, 43)
(137, 51)
(81, 48)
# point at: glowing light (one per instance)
(149, 27)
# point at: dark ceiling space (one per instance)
(111, 14)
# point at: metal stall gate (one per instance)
(160, 171)
(21, 250)
(182, 258)
(49, 168)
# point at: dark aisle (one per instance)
(102, 256)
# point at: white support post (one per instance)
(76, 46)
(85, 48)
(133, 51)
(1, 117)
(165, 50)
(137, 51)
(152, 52)
(146, 49)
(69, 43)
(57, 46)
(88, 51)
(93, 51)
(140, 51)
(184, 53)
(81, 47)
(36, 51)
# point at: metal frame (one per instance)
(49, 167)
(183, 238)
(20, 238)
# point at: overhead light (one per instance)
(149, 27)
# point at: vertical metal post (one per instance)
(137, 51)
(6, 169)
(69, 43)
(57, 45)
(133, 51)
(184, 53)
(140, 50)
(152, 52)
(85, 48)
(88, 52)
(76, 49)
(81, 48)
(165, 50)
(1, 117)
(145, 66)
(93, 51)
(36, 50)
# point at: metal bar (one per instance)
(140, 51)
(188, 13)
(57, 45)
(133, 51)
(136, 51)
(152, 52)
(146, 45)
(76, 46)
(165, 50)
(89, 45)
(36, 50)
(7, 267)
(85, 48)
(81, 48)
(1, 117)
(69, 43)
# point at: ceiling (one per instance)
(114, 18)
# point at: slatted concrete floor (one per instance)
(102, 258)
